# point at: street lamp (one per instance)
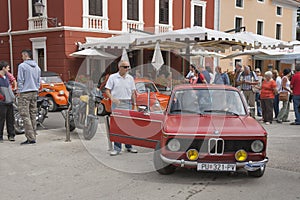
(39, 10)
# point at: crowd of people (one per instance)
(263, 93)
(26, 87)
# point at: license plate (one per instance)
(216, 167)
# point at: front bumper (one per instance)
(249, 166)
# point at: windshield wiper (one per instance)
(186, 111)
(223, 111)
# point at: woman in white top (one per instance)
(285, 86)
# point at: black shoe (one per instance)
(11, 138)
(1, 139)
(28, 142)
(279, 121)
(294, 123)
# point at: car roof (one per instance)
(47, 74)
(204, 86)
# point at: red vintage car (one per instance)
(142, 87)
(207, 127)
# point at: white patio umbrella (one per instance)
(125, 56)
(260, 41)
(119, 41)
(93, 53)
(196, 37)
(157, 59)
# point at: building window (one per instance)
(239, 3)
(95, 7)
(278, 11)
(259, 64)
(238, 24)
(34, 14)
(95, 14)
(260, 26)
(133, 10)
(164, 11)
(198, 15)
(278, 31)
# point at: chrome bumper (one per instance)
(249, 166)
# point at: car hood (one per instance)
(56, 86)
(211, 124)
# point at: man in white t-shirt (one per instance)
(120, 88)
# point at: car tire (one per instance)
(160, 166)
(18, 124)
(101, 110)
(258, 173)
(52, 104)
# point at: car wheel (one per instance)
(18, 124)
(160, 166)
(101, 109)
(258, 173)
(52, 104)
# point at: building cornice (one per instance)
(287, 3)
(63, 28)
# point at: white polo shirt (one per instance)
(121, 88)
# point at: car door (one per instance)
(136, 127)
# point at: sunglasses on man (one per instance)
(125, 67)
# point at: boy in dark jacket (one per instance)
(6, 103)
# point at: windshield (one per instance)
(142, 87)
(207, 101)
(51, 79)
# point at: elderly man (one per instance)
(120, 88)
(248, 79)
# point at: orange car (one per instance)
(54, 88)
(142, 86)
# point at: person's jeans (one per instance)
(258, 107)
(28, 110)
(296, 102)
(276, 105)
(125, 104)
(7, 114)
(284, 111)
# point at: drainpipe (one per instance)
(183, 13)
(10, 37)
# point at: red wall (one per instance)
(115, 14)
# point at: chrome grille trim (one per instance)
(214, 150)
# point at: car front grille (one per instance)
(215, 146)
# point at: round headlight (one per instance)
(241, 155)
(257, 146)
(61, 92)
(192, 154)
(174, 145)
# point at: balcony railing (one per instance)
(161, 28)
(95, 22)
(37, 23)
(130, 24)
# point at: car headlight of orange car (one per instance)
(61, 92)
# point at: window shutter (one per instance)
(133, 10)
(198, 12)
(164, 11)
(95, 7)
